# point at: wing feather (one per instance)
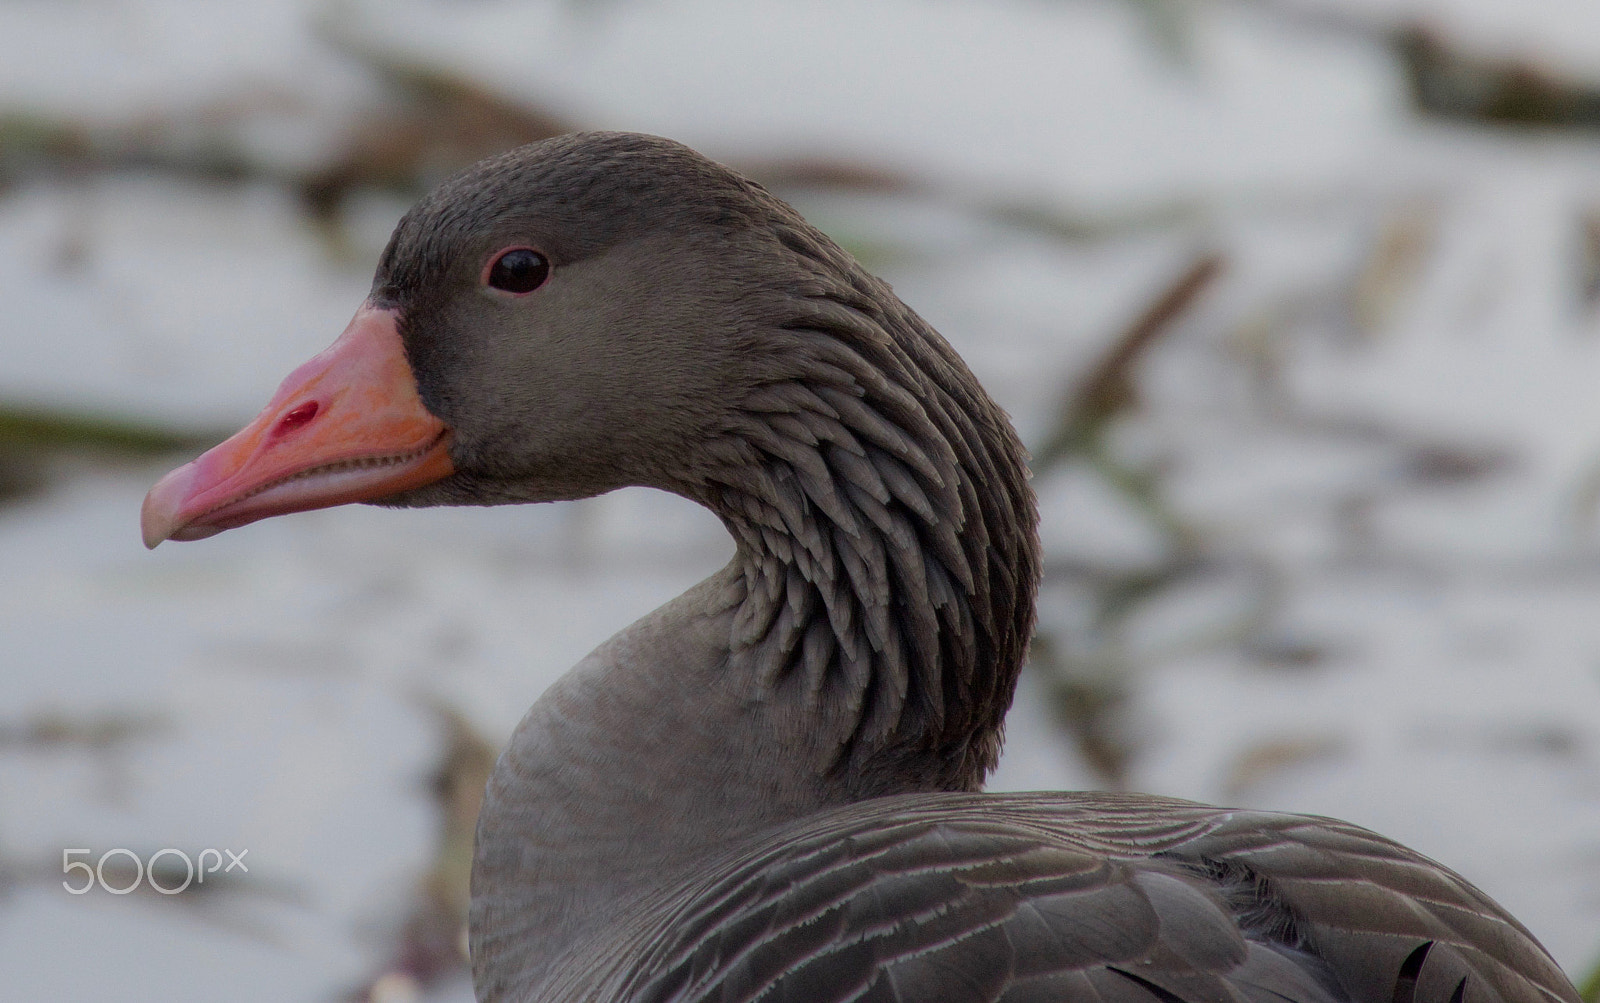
(1084, 899)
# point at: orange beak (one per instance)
(347, 426)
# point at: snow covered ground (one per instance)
(1394, 470)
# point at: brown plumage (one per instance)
(768, 789)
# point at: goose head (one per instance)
(566, 319)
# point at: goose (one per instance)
(771, 787)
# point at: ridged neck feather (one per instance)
(886, 533)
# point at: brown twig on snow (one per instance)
(1107, 388)
(429, 947)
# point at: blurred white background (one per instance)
(1322, 537)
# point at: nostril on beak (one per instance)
(296, 418)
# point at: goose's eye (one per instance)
(519, 270)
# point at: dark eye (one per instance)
(519, 270)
